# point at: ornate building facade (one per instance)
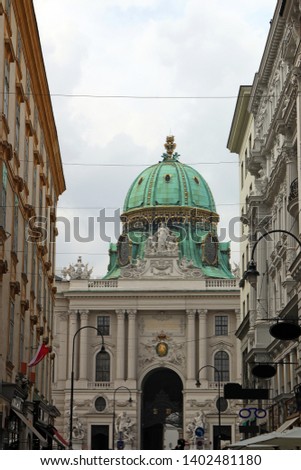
(166, 313)
(265, 133)
(31, 182)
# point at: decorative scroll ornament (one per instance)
(77, 271)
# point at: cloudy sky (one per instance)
(123, 75)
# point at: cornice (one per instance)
(26, 20)
(155, 294)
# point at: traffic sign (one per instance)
(120, 445)
(199, 432)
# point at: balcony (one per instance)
(293, 205)
(100, 385)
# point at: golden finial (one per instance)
(170, 145)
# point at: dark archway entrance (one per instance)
(162, 407)
(100, 437)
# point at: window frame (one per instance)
(104, 327)
(103, 374)
(221, 328)
(222, 366)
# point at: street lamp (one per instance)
(198, 384)
(130, 401)
(72, 375)
(282, 329)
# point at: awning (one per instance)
(32, 428)
(59, 438)
(286, 440)
(53, 433)
(287, 424)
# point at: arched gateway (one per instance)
(161, 409)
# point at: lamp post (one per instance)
(72, 375)
(282, 329)
(198, 384)
(251, 273)
(130, 401)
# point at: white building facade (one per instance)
(270, 199)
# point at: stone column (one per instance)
(296, 85)
(190, 338)
(202, 341)
(279, 376)
(73, 326)
(292, 369)
(120, 353)
(83, 358)
(285, 372)
(239, 373)
(291, 224)
(62, 371)
(132, 344)
(261, 255)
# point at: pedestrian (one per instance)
(181, 444)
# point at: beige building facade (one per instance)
(31, 181)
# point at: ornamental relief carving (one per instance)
(174, 352)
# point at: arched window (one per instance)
(221, 362)
(102, 367)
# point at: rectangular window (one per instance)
(19, 47)
(34, 186)
(17, 134)
(242, 176)
(42, 146)
(35, 118)
(102, 367)
(221, 363)
(41, 202)
(7, 7)
(25, 259)
(21, 339)
(221, 325)
(27, 85)
(3, 196)
(39, 286)
(16, 223)
(33, 268)
(6, 89)
(11, 331)
(246, 160)
(26, 162)
(17, 129)
(103, 324)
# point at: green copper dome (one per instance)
(169, 217)
(169, 183)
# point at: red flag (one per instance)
(40, 354)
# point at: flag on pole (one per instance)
(40, 354)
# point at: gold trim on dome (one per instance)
(184, 213)
(151, 183)
(184, 183)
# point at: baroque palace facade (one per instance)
(130, 347)
(31, 182)
(265, 133)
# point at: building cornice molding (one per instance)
(26, 20)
